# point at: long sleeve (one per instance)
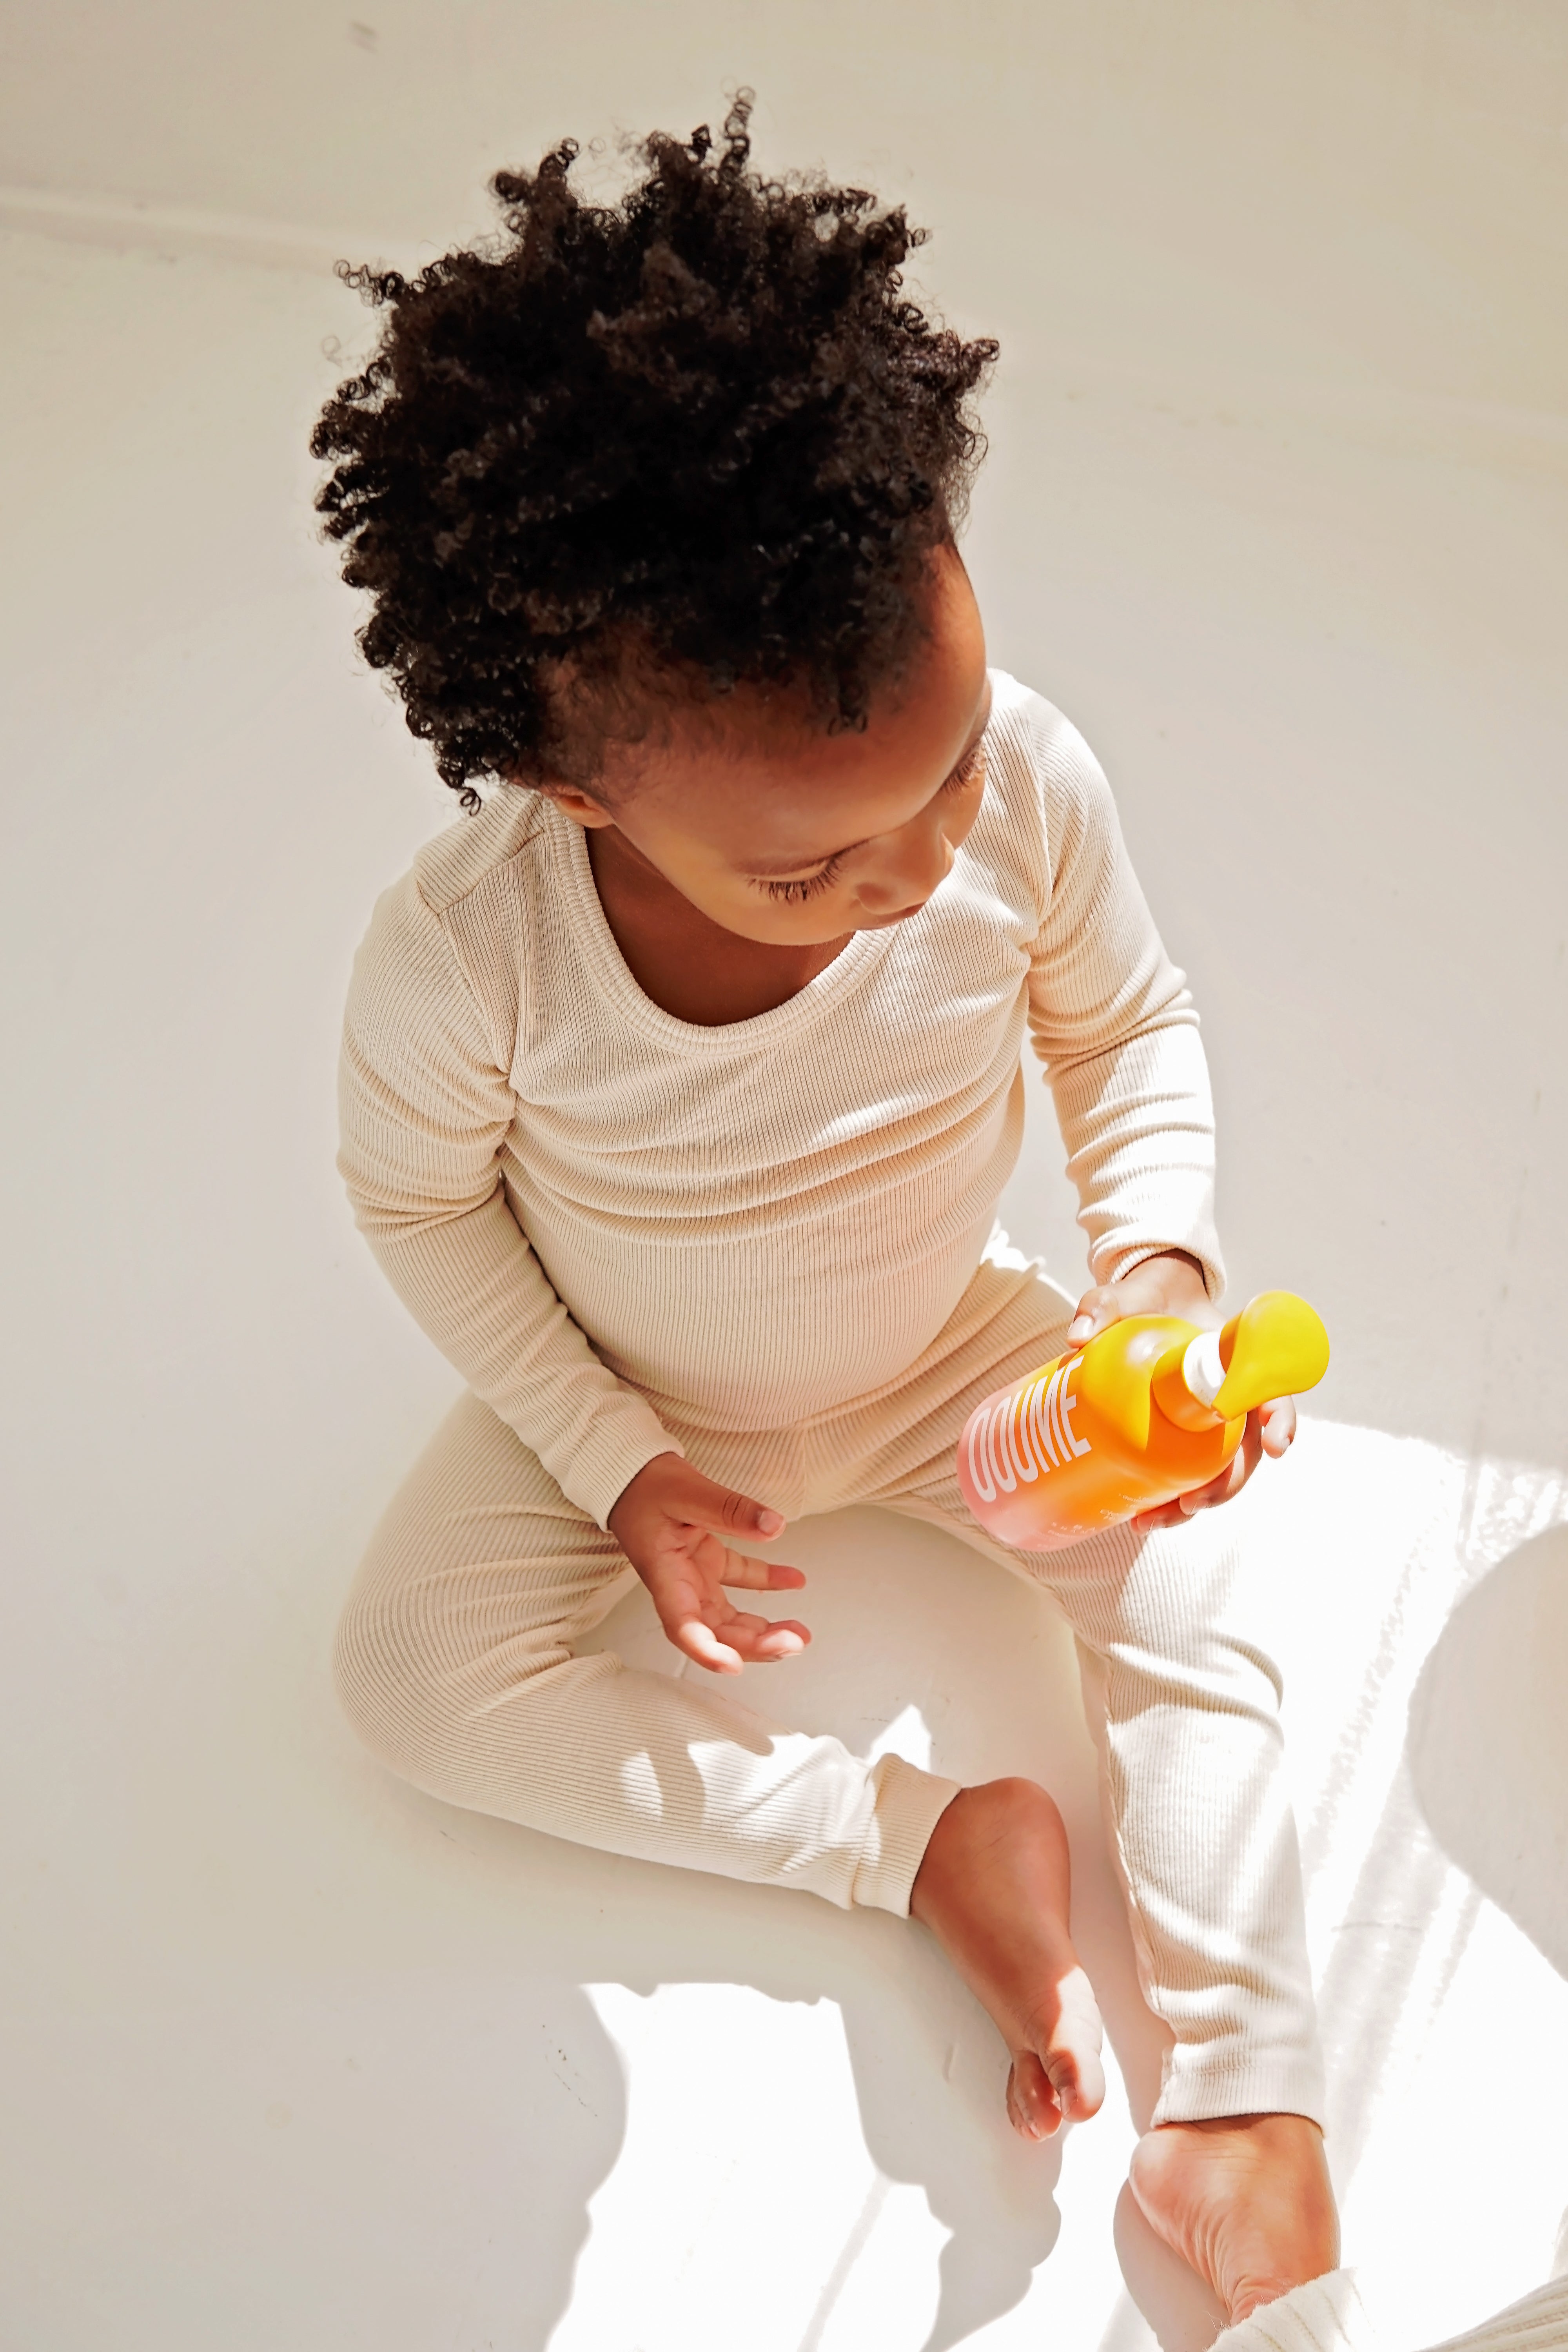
(1113, 1021)
(425, 1103)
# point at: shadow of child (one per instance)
(922, 1646)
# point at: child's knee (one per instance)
(417, 1665)
(381, 1672)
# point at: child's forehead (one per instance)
(793, 798)
(758, 780)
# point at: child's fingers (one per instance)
(700, 1643)
(765, 1640)
(761, 1641)
(759, 1575)
(1271, 1430)
(703, 1503)
(1232, 1478)
(1095, 1312)
(1277, 1421)
(1165, 1515)
(1230, 1482)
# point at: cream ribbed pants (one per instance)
(456, 1661)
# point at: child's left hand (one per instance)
(1174, 1285)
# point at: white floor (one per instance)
(297, 2057)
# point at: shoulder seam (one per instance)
(441, 903)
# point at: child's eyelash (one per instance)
(796, 893)
(964, 772)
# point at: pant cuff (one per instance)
(1539, 2324)
(1325, 2316)
(910, 1804)
(1201, 2087)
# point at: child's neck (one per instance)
(689, 966)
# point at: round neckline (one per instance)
(569, 848)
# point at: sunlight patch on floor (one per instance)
(745, 2158)
(744, 2185)
(739, 2194)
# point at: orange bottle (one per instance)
(1146, 1412)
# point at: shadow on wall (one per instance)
(1488, 1740)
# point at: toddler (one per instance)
(681, 1080)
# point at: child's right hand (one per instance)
(672, 1524)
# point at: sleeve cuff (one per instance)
(623, 1439)
(1110, 1265)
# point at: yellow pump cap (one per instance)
(1276, 1347)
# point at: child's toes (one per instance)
(1068, 2048)
(1076, 2039)
(1031, 2106)
(1077, 2083)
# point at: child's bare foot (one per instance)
(1245, 2201)
(993, 1889)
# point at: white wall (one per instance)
(1346, 192)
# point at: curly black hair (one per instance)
(699, 434)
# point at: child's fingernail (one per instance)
(769, 1523)
(1081, 1327)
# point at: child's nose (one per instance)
(906, 873)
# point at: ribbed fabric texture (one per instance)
(762, 1245)
(584, 1199)
(1328, 2315)
(1538, 2323)
(459, 1660)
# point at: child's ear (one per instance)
(579, 806)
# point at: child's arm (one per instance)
(426, 1105)
(1113, 1021)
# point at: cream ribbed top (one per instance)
(581, 1197)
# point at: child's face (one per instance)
(793, 837)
